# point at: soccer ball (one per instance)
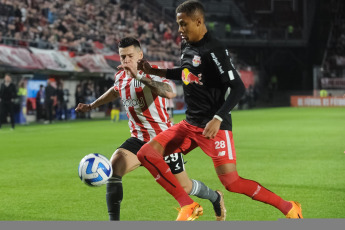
(95, 169)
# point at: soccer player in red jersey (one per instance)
(212, 88)
(144, 98)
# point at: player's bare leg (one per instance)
(199, 189)
(229, 177)
(123, 162)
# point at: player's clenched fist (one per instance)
(83, 108)
(144, 66)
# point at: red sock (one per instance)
(154, 162)
(253, 189)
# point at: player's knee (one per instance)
(142, 153)
(148, 151)
(230, 181)
(123, 161)
(118, 163)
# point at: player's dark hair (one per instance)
(190, 7)
(129, 41)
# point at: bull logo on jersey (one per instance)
(196, 60)
(188, 77)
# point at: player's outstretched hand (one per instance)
(144, 66)
(83, 108)
(212, 128)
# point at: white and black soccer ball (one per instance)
(95, 169)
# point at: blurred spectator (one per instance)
(115, 110)
(17, 11)
(51, 15)
(40, 104)
(89, 94)
(272, 88)
(23, 11)
(251, 96)
(61, 109)
(211, 26)
(50, 99)
(22, 93)
(79, 98)
(323, 93)
(167, 34)
(290, 31)
(227, 29)
(8, 93)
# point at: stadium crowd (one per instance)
(335, 59)
(85, 26)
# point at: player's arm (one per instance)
(221, 62)
(107, 97)
(160, 88)
(174, 74)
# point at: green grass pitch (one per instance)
(297, 153)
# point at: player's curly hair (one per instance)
(129, 41)
(190, 7)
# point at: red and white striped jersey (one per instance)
(146, 111)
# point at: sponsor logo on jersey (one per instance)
(196, 60)
(188, 77)
(215, 59)
(134, 102)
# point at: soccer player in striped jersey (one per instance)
(212, 88)
(144, 98)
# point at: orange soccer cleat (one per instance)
(190, 212)
(295, 212)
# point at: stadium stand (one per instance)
(330, 74)
(84, 26)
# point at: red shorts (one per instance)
(184, 137)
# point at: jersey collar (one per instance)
(202, 41)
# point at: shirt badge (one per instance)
(196, 60)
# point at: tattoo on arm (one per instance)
(159, 88)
